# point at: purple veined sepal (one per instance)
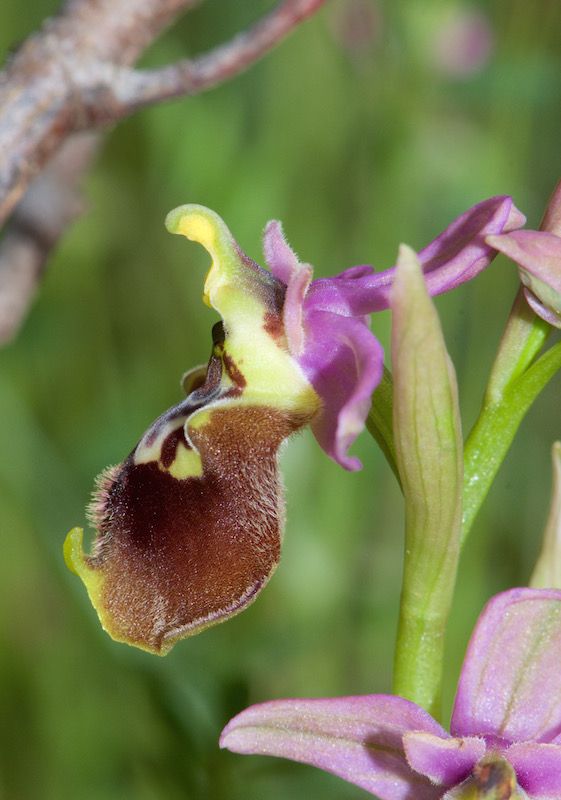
(456, 256)
(513, 658)
(359, 739)
(506, 724)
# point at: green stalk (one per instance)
(524, 336)
(428, 449)
(511, 390)
(514, 384)
(492, 435)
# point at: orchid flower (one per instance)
(505, 740)
(538, 255)
(189, 525)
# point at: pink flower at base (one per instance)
(505, 739)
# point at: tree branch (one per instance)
(75, 75)
(134, 89)
(51, 203)
(47, 86)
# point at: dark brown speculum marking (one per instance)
(495, 778)
(233, 372)
(273, 325)
(180, 554)
(170, 445)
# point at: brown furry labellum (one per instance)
(189, 525)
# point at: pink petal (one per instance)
(293, 309)
(360, 271)
(460, 252)
(445, 761)
(542, 311)
(457, 255)
(539, 256)
(357, 738)
(344, 362)
(538, 769)
(537, 252)
(279, 256)
(510, 686)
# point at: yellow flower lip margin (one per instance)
(189, 525)
(231, 270)
(249, 299)
(199, 224)
(76, 562)
(93, 581)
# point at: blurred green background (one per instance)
(375, 123)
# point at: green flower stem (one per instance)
(524, 336)
(421, 454)
(428, 450)
(488, 442)
(514, 384)
(419, 651)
